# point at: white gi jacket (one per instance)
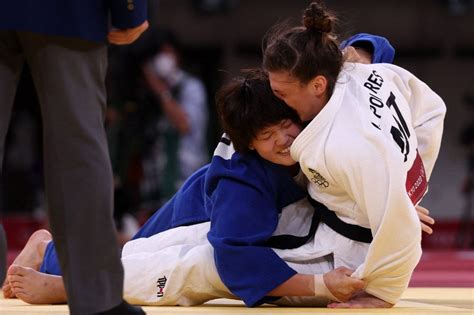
(360, 154)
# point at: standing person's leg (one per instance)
(11, 62)
(69, 77)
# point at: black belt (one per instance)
(287, 241)
(321, 214)
(351, 231)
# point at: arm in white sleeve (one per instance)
(374, 177)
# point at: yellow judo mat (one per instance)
(414, 301)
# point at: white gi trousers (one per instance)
(176, 267)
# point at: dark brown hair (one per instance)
(305, 51)
(246, 105)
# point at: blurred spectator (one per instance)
(180, 147)
(156, 124)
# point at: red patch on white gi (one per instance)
(416, 183)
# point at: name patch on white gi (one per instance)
(399, 129)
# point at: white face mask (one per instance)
(165, 65)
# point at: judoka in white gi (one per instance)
(368, 150)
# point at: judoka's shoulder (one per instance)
(228, 163)
(390, 71)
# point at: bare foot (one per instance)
(30, 256)
(34, 287)
(7, 290)
(33, 252)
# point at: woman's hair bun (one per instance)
(315, 17)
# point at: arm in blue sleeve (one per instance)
(127, 13)
(380, 48)
(243, 219)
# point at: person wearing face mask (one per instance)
(180, 148)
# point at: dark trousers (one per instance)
(69, 77)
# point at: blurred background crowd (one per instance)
(161, 120)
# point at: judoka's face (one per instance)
(306, 99)
(273, 143)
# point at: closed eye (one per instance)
(279, 94)
(286, 123)
(264, 135)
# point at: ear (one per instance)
(251, 147)
(319, 85)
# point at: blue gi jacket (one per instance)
(242, 196)
(85, 19)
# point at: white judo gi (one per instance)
(363, 155)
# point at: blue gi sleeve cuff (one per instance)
(383, 51)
